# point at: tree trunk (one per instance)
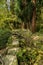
(22, 25)
(34, 17)
(12, 7)
(8, 5)
(27, 26)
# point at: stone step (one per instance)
(10, 60)
(14, 50)
(15, 43)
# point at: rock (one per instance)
(15, 42)
(35, 37)
(37, 41)
(14, 50)
(10, 60)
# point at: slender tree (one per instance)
(34, 17)
(12, 7)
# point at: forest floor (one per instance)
(35, 41)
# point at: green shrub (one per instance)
(27, 57)
(4, 35)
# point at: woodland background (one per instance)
(21, 32)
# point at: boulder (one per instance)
(10, 60)
(13, 51)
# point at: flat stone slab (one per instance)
(10, 60)
(14, 50)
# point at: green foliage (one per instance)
(28, 57)
(26, 11)
(4, 36)
(21, 11)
